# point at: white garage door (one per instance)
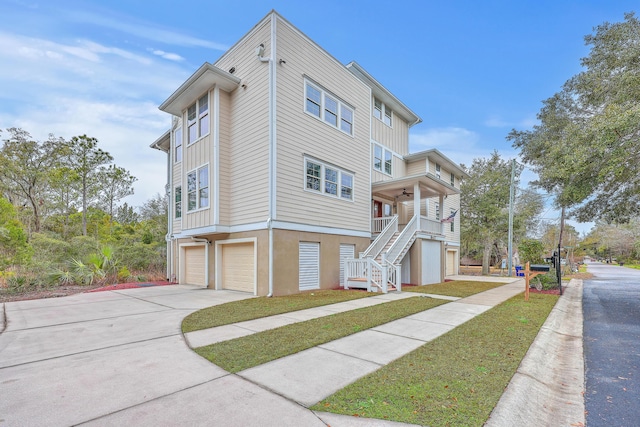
(194, 265)
(431, 262)
(238, 267)
(309, 265)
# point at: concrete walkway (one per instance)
(119, 358)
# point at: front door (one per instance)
(377, 209)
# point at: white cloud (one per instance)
(166, 55)
(145, 31)
(85, 87)
(459, 144)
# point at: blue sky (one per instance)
(472, 70)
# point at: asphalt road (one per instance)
(611, 304)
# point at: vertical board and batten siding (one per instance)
(308, 265)
(224, 150)
(398, 169)
(431, 262)
(395, 137)
(247, 137)
(194, 156)
(299, 133)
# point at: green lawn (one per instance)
(456, 288)
(456, 379)
(255, 308)
(253, 350)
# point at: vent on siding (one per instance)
(309, 265)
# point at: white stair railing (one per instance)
(405, 238)
(383, 238)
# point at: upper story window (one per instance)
(382, 111)
(382, 159)
(198, 119)
(177, 138)
(453, 179)
(327, 107)
(453, 212)
(437, 208)
(328, 180)
(198, 188)
(178, 202)
(438, 170)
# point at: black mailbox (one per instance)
(538, 267)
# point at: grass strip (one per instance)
(255, 308)
(456, 379)
(253, 350)
(455, 288)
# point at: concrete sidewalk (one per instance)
(119, 358)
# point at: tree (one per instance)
(85, 158)
(14, 248)
(116, 183)
(587, 146)
(484, 204)
(24, 167)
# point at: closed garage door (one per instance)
(451, 263)
(309, 265)
(194, 265)
(238, 267)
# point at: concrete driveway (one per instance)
(119, 358)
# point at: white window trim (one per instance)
(341, 104)
(196, 171)
(322, 191)
(453, 179)
(175, 148)
(438, 170)
(383, 112)
(175, 203)
(197, 121)
(385, 151)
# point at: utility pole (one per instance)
(511, 197)
(559, 265)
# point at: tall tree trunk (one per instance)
(486, 257)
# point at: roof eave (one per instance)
(202, 80)
(163, 143)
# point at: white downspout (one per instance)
(272, 143)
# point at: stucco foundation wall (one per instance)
(285, 258)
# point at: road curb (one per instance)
(548, 386)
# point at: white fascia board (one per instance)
(281, 225)
(201, 81)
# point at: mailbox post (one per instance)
(531, 271)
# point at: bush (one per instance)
(531, 251)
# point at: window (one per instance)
(326, 107)
(453, 211)
(453, 179)
(387, 161)
(382, 112)
(177, 138)
(328, 180)
(382, 159)
(198, 119)
(198, 189)
(438, 170)
(178, 202)
(437, 208)
(377, 157)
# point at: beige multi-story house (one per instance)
(289, 171)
